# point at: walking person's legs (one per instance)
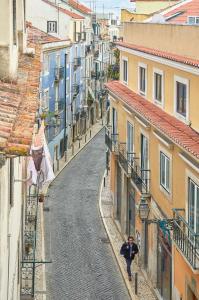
(128, 264)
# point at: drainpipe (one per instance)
(65, 148)
(9, 236)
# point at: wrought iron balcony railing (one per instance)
(77, 62)
(59, 73)
(185, 238)
(141, 177)
(111, 140)
(125, 157)
(75, 89)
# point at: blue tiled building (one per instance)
(56, 97)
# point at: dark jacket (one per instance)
(125, 250)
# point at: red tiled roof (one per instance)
(36, 35)
(163, 54)
(65, 11)
(18, 105)
(176, 130)
(186, 9)
(79, 6)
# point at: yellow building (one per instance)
(153, 140)
(145, 9)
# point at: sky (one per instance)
(109, 5)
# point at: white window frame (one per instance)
(129, 124)
(195, 200)
(124, 58)
(186, 82)
(144, 66)
(160, 72)
(167, 185)
(45, 101)
(46, 63)
(51, 26)
(195, 18)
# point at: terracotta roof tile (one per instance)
(18, 105)
(163, 54)
(65, 11)
(185, 9)
(79, 6)
(176, 130)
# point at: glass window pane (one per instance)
(181, 98)
(191, 203)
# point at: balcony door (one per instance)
(193, 206)
(144, 157)
(130, 146)
(114, 124)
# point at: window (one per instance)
(45, 100)
(114, 121)
(51, 26)
(164, 171)
(129, 140)
(142, 79)
(56, 96)
(125, 70)
(193, 20)
(144, 158)
(193, 205)
(181, 98)
(158, 86)
(58, 60)
(46, 63)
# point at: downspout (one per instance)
(65, 148)
(9, 236)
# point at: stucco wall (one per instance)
(178, 39)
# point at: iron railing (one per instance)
(185, 238)
(75, 89)
(125, 157)
(141, 177)
(59, 73)
(111, 140)
(77, 62)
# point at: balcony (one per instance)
(140, 177)
(95, 75)
(96, 54)
(186, 239)
(59, 73)
(77, 62)
(125, 158)
(75, 89)
(88, 49)
(111, 140)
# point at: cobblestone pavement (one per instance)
(106, 209)
(84, 266)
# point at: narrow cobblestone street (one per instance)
(83, 266)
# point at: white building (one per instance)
(17, 117)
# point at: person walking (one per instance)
(129, 249)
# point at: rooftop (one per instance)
(65, 11)
(163, 54)
(79, 6)
(180, 133)
(18, 105)
(180, 13)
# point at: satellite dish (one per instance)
(157, 18)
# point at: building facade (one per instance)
(154, 154)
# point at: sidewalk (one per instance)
(106, 210)
(40, 278)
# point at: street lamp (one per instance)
(143, 209)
